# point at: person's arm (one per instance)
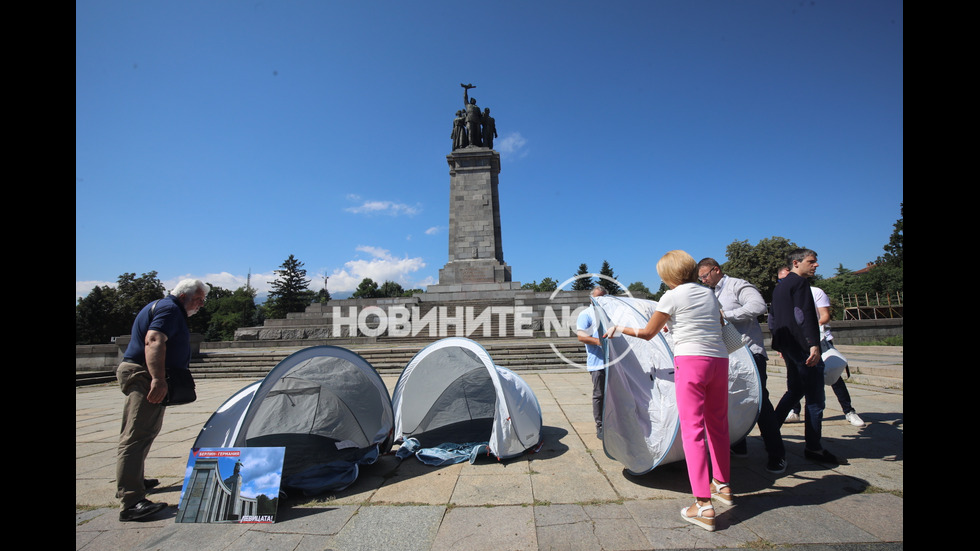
(586, 338)
(823, 315)
(156, 353)
(656, 323)
(811, 329)
(751, 304)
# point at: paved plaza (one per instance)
(568, 496)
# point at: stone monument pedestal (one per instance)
(476, 267)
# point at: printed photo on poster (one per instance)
(231, 485)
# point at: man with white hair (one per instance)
(160, 341)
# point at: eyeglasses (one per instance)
(704, 277)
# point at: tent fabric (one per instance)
(326, 405)
(640, 423)
(451, 392)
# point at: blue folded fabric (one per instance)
(443, 454)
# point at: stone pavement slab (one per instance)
(568, 496)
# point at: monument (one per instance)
(476, 266)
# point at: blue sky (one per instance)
(214, 138)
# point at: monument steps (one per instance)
(881, 367)
(514, 354)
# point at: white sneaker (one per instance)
(793, 417)
(854, 419)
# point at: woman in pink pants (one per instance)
(693, 316)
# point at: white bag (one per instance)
(834, 364)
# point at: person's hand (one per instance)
(158, 391)
(614, 331)
(814, 356)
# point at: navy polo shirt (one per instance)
(169, 318)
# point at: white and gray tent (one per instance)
(640, 424)
(326, 405)
(451, 392)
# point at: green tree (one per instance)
(227, 311)
(290, 290)
(322, 296)
(547, 285)
(758, 264)
(884, 279)
(137, 292)
(391, 289)
(367, 288)
(894, 248)
(638, 288)
(660, 292)
(201, 321)
(583, 283)
(108, 312)
(97, 317)
(608, 282)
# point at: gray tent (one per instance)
(640, 423)
(326, 405)
(451, 392)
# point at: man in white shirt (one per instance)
(742, 304)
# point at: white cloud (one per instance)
(83, 288)
(434, 230)
(512, 145)
(383, 207)
(381, 267)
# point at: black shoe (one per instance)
(598, 433)
(823, 456)
(776, 466)
(150, 483)
(143, 508)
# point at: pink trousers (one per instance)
(701, 384)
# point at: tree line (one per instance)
(759, 264)
(108, 311)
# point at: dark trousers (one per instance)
(598, 390)
(839, 387)
(803, 381)
(768, 423)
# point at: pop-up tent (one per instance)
(451, 392)
(640, 424)
(326, 405)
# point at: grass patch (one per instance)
(619, 501)
(759, 544)
(877, 490)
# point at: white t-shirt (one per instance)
(695, 321)
(821, 300)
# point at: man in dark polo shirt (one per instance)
(160, 341)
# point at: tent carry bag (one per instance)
(732, 336)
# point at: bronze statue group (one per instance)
(471, 127)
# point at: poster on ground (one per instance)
(231, 485)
